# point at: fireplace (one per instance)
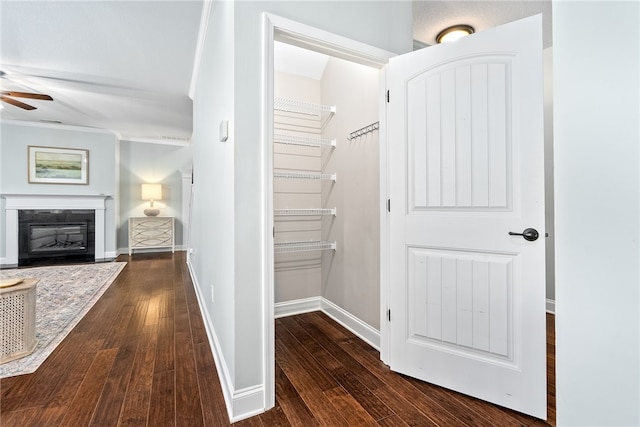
(55, 236)
(96, 204)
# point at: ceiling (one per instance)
(291, 59)
(119, 65)
(431, 17)
(127, 66)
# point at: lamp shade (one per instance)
(151, 192)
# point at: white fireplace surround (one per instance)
(16, 202)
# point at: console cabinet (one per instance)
(151, 232)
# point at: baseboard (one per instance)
(125, 251)
(551, 306)
(363, 330)
(243, 403)
(247, 403)
(299, 306)
(226, 382)
(5, 264)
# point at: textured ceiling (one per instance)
(119, 65)
(431, 17)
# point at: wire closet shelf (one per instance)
(304, 212)
(306, 175)
(296, 117)
(317, 245)
(305, 110)
(303, 140)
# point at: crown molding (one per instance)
(59, 126)
(202, 35)
(117, 134)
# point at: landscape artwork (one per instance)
(50, 165)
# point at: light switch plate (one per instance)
(224, 130)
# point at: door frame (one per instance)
(277, 28)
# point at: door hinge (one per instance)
(387, 96)
(274, 232)
(389, 315)
(388, 205)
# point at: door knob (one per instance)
(529, 234)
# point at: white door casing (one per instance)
(466, 166)
(302, 35)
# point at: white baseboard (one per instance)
(551, 306)
(363, 330)
(247, 403)
(5, 264)
(125, 251)
(299, 306)
(243, 403)
(223, 372)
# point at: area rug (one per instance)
(63, 296)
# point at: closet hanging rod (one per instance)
(363, 131)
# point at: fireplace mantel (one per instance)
(16, 202)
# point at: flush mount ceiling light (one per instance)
(454, 33)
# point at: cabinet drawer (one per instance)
(142, 224)
(151, 232)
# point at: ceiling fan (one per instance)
(8, 95)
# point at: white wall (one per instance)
(597, 188)
(156, 163)
(212, 261)
(297, 275)
(351, 275)
(229, 210)
(388, 26)
(102, 146)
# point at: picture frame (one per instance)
(54, 165)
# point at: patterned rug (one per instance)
(64, 295)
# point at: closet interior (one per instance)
(326, 182)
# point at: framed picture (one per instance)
(52, 165)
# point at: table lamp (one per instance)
(151, 192)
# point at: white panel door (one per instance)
(467, 299)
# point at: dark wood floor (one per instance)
(141, 357)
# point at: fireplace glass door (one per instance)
(48, 237)
(57, 237)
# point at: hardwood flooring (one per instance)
(141, 357)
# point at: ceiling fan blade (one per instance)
(16, 103)
(28, 95)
